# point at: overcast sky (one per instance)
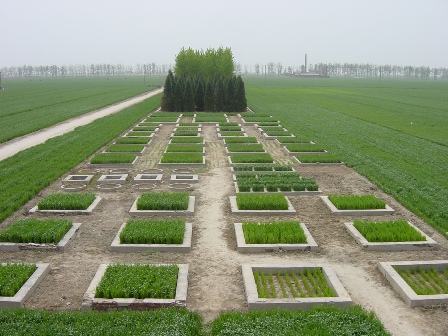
(62, 32)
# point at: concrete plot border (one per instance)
(151, 135)
(229, 152)
(231, 163)
(60, 246)
(202, 142)
(296, 153)
(190, 178)
(226, 144)
(404, 290)
(218, 129)
(372, 212)
(260, 128)
(288, 193)
(70, 212)
(317, 163)
(182, 128)
(113, 178)
(232, 169)
(256, 303)
(274, 137)
(73, 178)
(283, 144)
(140, 178)
(113, 165)
(116, 246)
(202, 152)
(154, 130)
(145, 144)
(235, 210)
(27, 288)
(131, 153)
(182, 165)
(189, 211)
(243, 247)
(429, 243)
(222, 136)
(92, 303)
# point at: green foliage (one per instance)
(296, 139)
(321, 158)
(210, 117)
(153, 231)
(66, 202)
(185, 133)
(356, 202)
(163, 201)
(182, 158)
(273, 233)
(144, 128)
(304, 148)
(241, 140)
(160, 322)
(209, 97)
(133, 140)
(425, 281)
(261, 202)
(388, 231)
(36, 231)
(30, 105)
(262, 168)
(13, 276)
(25, 174)
(231, 134)
(188, 97)
(138, 281)
(285, 181)
(138, 134)
(184, 148)
(252, 158)
(179, 140)
(245, 148)
(112, 158)
(124, 148)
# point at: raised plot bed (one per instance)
(224, 135)
(187, 129)
(292, 287)
(186, 140)
(113, 160)
(356, 205)
(260, 204)
(187, 124)
(240, 140)
(179, 160)
(167, 235)
(186, 134)
(268, 123)
(143, 178)
(389, 236)
(145, 129)
(78, 178)
(283, 141)
(254, 237)
(294, 149)
(163, 203)
(323, 159)
(274, 134)
(266, 183)
(419, 283)
(138, 286)
(28, 234)
(133, 140)
(113, 178)
(245, 148)
(134, 149)
(220, 129)
(260, 168)
(250, 158)
(67, 204)
(139, 134)
(189, 178)
(210, 118)
(256, 119)
(192, 148)
(19, 281)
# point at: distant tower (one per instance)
(305, 64)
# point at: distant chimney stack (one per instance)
(305, 64)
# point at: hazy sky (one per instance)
(62, 32)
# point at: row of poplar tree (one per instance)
(187, 94)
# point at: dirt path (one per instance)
(215, 280)
(16, 145)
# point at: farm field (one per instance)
(28, 105)
(394, 134)
(215, 283)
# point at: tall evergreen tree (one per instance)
(240, 95)
(230, 103)
(188, 97)
(219, 95)
(199, 94)
(178, 95)
(168, 93)
(209, 97)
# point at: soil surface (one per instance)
(16, 145)
(215, 279)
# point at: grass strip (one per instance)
(304, 148)
(112, 158)
(285, 232)
(36, 231)
(139, 134)
(153, 231)
(388, 231)
(252, 158)
(318, 158)
(261, 168)
(25, 174)
(133, 140)
(138, 281)
(232, 134)
(124, 148)
(192, 140)
(185, 133)
(66, 202)
(163, 201)
(245, 148)
(160, 322)
(13, 276)
(356, 202)
(185, 148)
(261, 202)
(241, 140)
(144, 128)
(229, 128)
(296, 140)
(182, 158)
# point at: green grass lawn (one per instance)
(393, 133)
(28, 105)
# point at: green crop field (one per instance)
(28, 105)
(394, 132)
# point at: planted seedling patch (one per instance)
(133, 140)
(240, 140)
(293, 149)
(324, 159)
(163, 203)
(137, 286)
(292, 287)
(260, 204)
(356, 205)
(283, 141)
(27, 234)
(125, 148)
(108, 160)
(419, 283)
(67, 203)
(186, 140)
(261, 168)
(139, 134)
(185, 148)
(250, 158)
(273, 236)
(19, 281)
(164, 235)
(179, 160)
(245, 148)
(389, 236)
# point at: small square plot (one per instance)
(78, 178)
(115, 178)
(190, 178)
(141, 178)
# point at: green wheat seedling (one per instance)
(274, 233)
(241, 140)
(66, 202)
(245, 148)
(425, 281)
(318, 158)
(36, 231)
(124, 148)
(261, 202)
(163, 201)
(304, 148)
(185, 140)
(252, 158)
(13, 276)
(133, 140)
(182, 158)
(184, 148)
(388, 231)
(112, 158)
(153, 231)
(139, 134)
(356, 202)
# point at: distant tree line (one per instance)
(204, 81)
